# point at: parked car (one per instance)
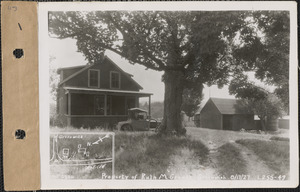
(138, 120)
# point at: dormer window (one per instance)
(115, 80)
(94, 78)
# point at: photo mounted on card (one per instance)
(168, 95)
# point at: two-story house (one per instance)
(96, 95)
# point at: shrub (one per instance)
(276, 138)
(57, 120)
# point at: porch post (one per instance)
(126, 110)
(69, 119)
(69, 103)
(137, 102)
(149, 105)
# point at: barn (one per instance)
(96, 95)
(225, 114)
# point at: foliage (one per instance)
(283, 93)
(158, 40)
(191, 100)
(277, 138)
(56, 119)
(256, 99)
(269, 50)
(264, 108)
(53, 79)
(241, 87)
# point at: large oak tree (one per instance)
(191, 47)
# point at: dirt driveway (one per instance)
(214, 139)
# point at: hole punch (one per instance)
(18, 53)
(20, 134)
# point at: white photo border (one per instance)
(47, 183)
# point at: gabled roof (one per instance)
(75, 74)
(229, 106)
(83, 68)
(73, 67)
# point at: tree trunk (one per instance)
(172, 120)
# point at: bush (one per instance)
(57, 120)
(276, 138)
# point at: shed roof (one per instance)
(141, 94)
(137, 110)
(229, 106)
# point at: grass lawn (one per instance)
(230, 161)
(144, 153)
(274, 153)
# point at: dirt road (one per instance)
(256, 168)
(213, 139)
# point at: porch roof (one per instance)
(107, 91)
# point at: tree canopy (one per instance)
(191, 47)
(269, 57)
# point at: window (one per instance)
(94, 78)
(114, 80)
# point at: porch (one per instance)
(88, 107)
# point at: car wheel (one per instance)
(126, 127)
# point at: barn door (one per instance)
(227, 122)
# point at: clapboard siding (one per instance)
(210, 117)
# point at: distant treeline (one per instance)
(157, 109)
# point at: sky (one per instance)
(66, 55)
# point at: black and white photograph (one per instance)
(184, 95)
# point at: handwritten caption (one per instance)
(144, 176)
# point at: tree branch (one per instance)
(161, 65)
(132, 60)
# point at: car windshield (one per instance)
(141, 116)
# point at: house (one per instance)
(225, 114)
(96, 95)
